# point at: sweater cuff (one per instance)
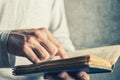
(4, 56)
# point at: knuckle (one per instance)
(46, 57)
(54, 51)
(37, 32)
(25, 46)
(59, 45)
(30, 39)
(40, 34)
(44, 29)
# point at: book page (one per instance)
(110, 53)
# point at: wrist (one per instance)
(4, 56)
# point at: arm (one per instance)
(35, 44)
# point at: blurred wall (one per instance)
(95, 23)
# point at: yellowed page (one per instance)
(110, 53)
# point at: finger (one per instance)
(61, 51)
(50, 47)
(83, 75)
(39, 50)
(30, 54)
(45, 42)
(51, 37)
(43, 34)
(65, 76)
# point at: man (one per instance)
(22, 34)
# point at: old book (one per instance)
(95, 60)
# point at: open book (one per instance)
(94, 60)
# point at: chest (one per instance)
(24, 13)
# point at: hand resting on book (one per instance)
(37, 45)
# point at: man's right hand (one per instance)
(35, 44)
(38, 45)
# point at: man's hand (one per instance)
(67, 76)
(35, 44)
(38, 45)
(80, 76)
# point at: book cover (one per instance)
(95, 60)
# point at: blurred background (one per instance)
(95, 23)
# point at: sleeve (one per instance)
(6, 60)
(58, 25)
